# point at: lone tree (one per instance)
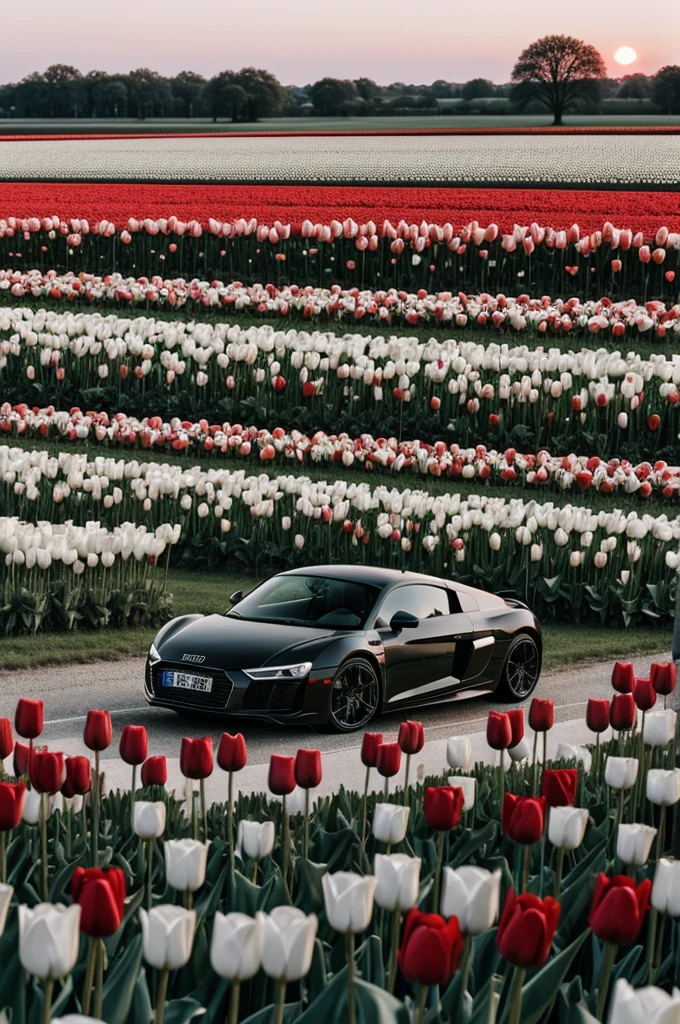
(666, 91)
(556, 72)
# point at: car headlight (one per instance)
(154, 656)
(280, 672)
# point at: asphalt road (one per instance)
(68, 693)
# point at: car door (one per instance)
(419, 660)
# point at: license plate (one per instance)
(186, 681)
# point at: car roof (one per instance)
(375, 575)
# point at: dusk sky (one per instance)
(388, 40)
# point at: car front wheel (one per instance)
(521, 670)
(355, 695)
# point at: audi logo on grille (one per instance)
(195, 659)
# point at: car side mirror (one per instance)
(403, 620)
(236, 597)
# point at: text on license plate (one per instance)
(186, 681)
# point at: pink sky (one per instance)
(303, 40)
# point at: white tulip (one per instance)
(570, 752)
(149, 819)
(348, 899)
(237, 944)
(6, 893)
(520, 751)
(255, 838)
(659, 727)
(185, 863)
(167, 936)
(390, 822)
(472, 895)
(648, 1005)
(289, 936)
(666, 888)
(634, 843)
(459, 753)
(663, 786)
(468, 783)
(567, 827)
(49, 938)
(621, 772)
(398, 881)
(31, 809)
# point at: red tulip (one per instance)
(232, 753)
(196, 757)
(281, 775)
(541, 714)
(558, 786)
(46, 771)
(388, 760)
(523, 818)
(644, 694)
(622, 711)
(664, 677)
(498, 730)
(618, 908)
(11, 804)
(155, 771)
(430, 948)
(134, 744)
(597, 715)
(527, 928)
(6, 738)
(443, 806)
(516, 716)
(29, 718)
(369, 748)
(78, 776)
(411, 737)
(308, 768)
(623, 676)
(98, 732)
(101, 895)
(22, 755)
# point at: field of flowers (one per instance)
(540, 891)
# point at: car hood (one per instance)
(232, 643)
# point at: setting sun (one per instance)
(625, 55)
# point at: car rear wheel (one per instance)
(521, 670)
(355, 695)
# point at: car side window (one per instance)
(423, 601)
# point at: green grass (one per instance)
(564, 645)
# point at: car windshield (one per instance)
(325, 602)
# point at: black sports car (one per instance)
(334, 645)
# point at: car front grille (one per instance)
(270, 696)
(218, 698)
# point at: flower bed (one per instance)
(300, 909)
(569, 561)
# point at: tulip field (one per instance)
(530, 889)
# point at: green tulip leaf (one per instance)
(291, 1014)
(121, 983)
(181, 1011)
(308, 889)
(540, 992)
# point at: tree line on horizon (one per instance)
(558, 74)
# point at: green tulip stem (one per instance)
(230, 827)
(89, 977)
(132, 794)
(597, 756)
(545, 751)
(605, 978)
(651, 945)
(387, 788)
(99, 978)
(421, 1004)
(525, 867)
(406, 775)
(516, 996)
(305, 848)
(254, 877)
(351, 995)
(438, 873)
(47, 1001)
(161, 993)
(83, 820)
(364, 809)
(465, 966)
(149, 872)
(194, 813)
(501, 780)
(660, 835)
(285, 844)
(188, 899)
(394, 946)
(659, 943)
(234, 999)
(204, 816)
(43, 846)
(3, 858)
(534, 785)
(494, 997)
(279, 1001)
(69, 833)
(558, 871)
(95, 811)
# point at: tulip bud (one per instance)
(459, 753)
(369, 748)
(390, 822)
(666, 888)
(101, 897)
(567, 827)
(308, 768)
(472, 895)
(621, 772)
(46, 771)
(659, 727)
(388, 759)
(430, 948)
(237, 945)
(185, 863)
(98, 732)
(232, 753)
(443, 806)
(155, 771)
(663, 786)
(597, 715)
(289, 936)
(644, 694)
(541, 714)
(526, 929)
(558, 786)
(12, 795)
(498, 730)
(6, 738)
(468, 783)
(255, 838)
(49, 939)
(397, 880)
(196, 757)
(623, 676)
(622, 711)
(148, 819)
(29, 717)
(411, 737)
(167, 935)
(664, 677)
(634, 844)
(281, 775)
(348, 900)
(134, 744)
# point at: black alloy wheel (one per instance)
(355, 695)
(521, 670)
